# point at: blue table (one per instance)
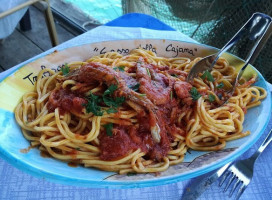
(15, 184)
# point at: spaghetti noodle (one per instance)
(134, 113)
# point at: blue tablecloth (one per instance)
(15, 184)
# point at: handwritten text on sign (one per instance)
(149, 47)
(178, 49)
(124, 51)
(33, 78)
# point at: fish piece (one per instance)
(98, 72)
(182, 89)
(156, 86)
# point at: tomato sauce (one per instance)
(164, 99)
(126, 139)
(73, 154)
(66, 100)
(116, 146)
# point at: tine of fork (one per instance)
(240, 192)
(234, 187)
(230, 181)
(225, 175)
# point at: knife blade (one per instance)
(197, 187)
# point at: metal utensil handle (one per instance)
(266, 142)
(262, 35)
(257, 26)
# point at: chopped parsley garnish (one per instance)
(220, 85)
(120, 68)
(131, 173)
(207, 75)
(171, 95)
(211, 98)
(112, 102)
(110, 90)
(65, 69)
(92, 105)
(195, 94)
(148, 72)
(112, 110)
(108, 128)
(142, 95)
(174, 75)
(134, 87)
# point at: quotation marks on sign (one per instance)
(104, 50)
(125, 51)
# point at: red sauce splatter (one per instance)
(26, 150)
(73, 153)
(244, 109)
(71, 164)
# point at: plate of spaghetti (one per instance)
(120, 114)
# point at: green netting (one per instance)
(211, 22)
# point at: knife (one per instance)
(197, 187)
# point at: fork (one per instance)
(242, 171)
(257, 29)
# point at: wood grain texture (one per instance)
(39, 33)
(16, 49)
